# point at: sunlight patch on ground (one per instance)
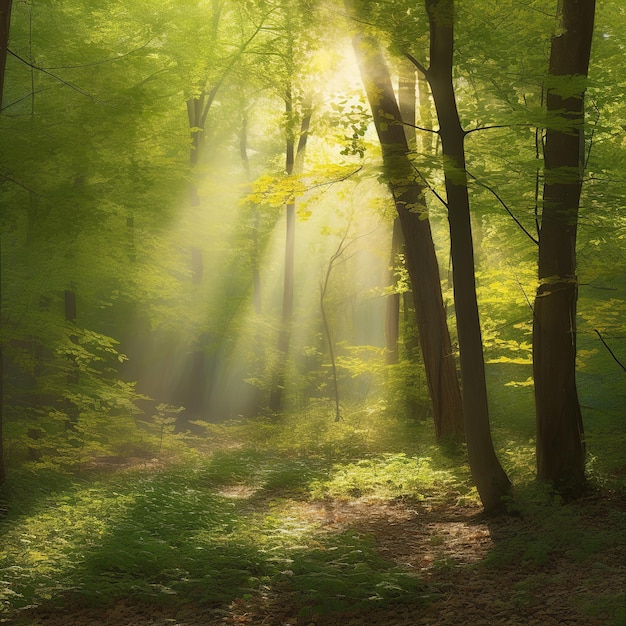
(237, 492)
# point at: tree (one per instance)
(490, 479)
(422, 265)
(217, 67)
(560, 446)
(407, 105)
(2, 465)
(294, 157)
(289, 47)
(5, 22)
(5, 19)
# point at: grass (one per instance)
(226, 522)
(161, 536)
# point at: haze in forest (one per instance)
(347, 239)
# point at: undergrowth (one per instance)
(222, 520)
(177, 535)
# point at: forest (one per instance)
(312, 312)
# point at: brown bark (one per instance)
(407, 106)
(560, 446)
(490, 479)
(421, 259)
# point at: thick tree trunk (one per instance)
(407, 106)
(421, 259)
(490, 479)
(560, 446)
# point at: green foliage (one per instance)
(235, 520)
(559, 531)
(347, 575)
(389, 476)
(95, 173)
(160, 536)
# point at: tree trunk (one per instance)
(2, 465)
(560, 446)
(293, 162)
(392, 316)
(73, 373)
(5, 19)
(421, 258)
(256, 252)
(490, 479)
(407, 106)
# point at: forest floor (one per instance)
(514, 569)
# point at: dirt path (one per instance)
(447, 547)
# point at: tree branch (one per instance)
(117, 58)
(417, 64)
(426, 130)
(593, 131)
(45, 71)
(213, 92)
(606, 345)
(474, 130)
(17, 182)
(506, 208)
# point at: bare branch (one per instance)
(506, 208)
(429, 186)
(45, 71)
(335, 180)
(417, 64)
(495, 126)
(18, 183)
(102, 62)
(28, 95)
(593, 131)
(606, 345)
(425, 130)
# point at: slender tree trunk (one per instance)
(327, 331)
(5, 19)
(73, 373)
(560, 446)
(294, 159)
(392, 316)
(5, 22)
(490, 479)
(2, 465)
(421, 258)
(256, 253)
(425, 114)
(256, 399)
(198, 109)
